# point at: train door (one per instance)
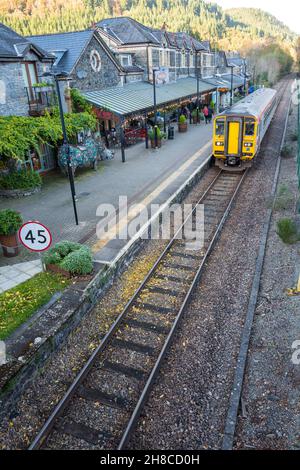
(234, 129)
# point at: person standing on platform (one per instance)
(206, 112)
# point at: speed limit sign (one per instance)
(35, 236)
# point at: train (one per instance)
(239, 131)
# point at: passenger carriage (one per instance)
(239, 130)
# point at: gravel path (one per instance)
(187, 407)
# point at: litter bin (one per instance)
(171, 133)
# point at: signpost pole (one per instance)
(66, 144)
(155, 108)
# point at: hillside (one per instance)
(260, 24)
(230, 29)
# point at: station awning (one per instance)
(138, 97)
(224, 81)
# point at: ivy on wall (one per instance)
(20, 134)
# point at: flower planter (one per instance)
(182, 127)
(54, 268)
(153, 143)
(10, 245)
(195, 121)
(43, 89)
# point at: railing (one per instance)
(40, 99)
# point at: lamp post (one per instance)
(217, 101)
(155, 106)
(197, 76)
(245, 75)
(231, 84)
(65, 138)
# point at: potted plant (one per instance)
(42, 86)
(160, 135)
(196, 115)
(10, 222)
(182, 123)
(69, 259)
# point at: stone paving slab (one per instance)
(12, 276)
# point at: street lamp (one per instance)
(231, 92)
(56, 77)
(154, 70)
(197, 76)
(245, 75)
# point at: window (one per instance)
(220, 127)
(249, 127)
(95, 60)
(126, 60)
(30, 78)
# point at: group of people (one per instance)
(207, 111)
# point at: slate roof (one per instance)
(128, 31)
(236, 61)
(68, 46)
(13, 45)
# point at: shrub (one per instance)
(194, 112)
(78, 262)
(160, 134)
(284, 198)
(287, 231)
(72, 257)
(79, 103)
(65, 247)
(10, 222)
(24, 179)
(51, 257)
(182, 119)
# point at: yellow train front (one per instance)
(239, 130)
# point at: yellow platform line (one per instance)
(110, 234)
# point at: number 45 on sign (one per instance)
(35, 236)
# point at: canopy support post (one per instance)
(122, 141)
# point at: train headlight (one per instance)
(248, 144)
(219, 144)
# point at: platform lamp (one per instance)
(245, 75)
(197, 76)
(57, 77)
(154, 70)
(231, 84)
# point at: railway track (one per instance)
(101, 407)
(273, 144)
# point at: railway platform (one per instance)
(148, 176)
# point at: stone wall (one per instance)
(13, 97)
(108, 75)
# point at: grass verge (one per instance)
(19, 303)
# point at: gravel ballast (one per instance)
(188, 406)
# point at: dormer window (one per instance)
(126, 60)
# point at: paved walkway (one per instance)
(11, 276)
(147, 176)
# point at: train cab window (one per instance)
(220, 127)
(249, 127)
